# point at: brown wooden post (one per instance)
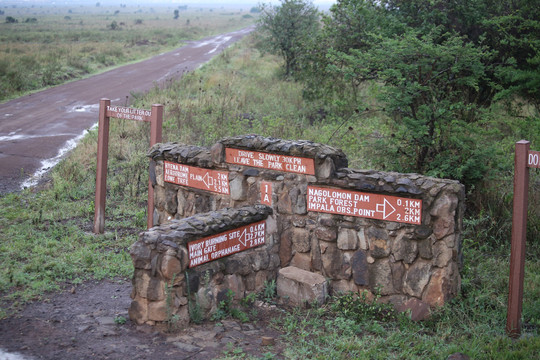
(101, 168)
(155, 136)
(519, 232)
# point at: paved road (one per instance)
(37, 130)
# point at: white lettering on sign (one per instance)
(199, 178)
(226, 243)
(120, 112)
(374, 206)
(270, 161)
(533, 159)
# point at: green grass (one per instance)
(46, 239)
(66, 43)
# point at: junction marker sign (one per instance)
(524, 159)
(106, 111)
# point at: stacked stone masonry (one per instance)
(411, 264)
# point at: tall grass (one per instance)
(69, 43)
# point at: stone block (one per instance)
(347, 239)
(380, 277)
(170, 266)
(360, 269)
(302, 261)
(301, 286)
(404, 249)
(334, 262)
(418, 310)
(343, 286)
(141, 255)
(238, 188)
(157, 310)
(326, 234)
(443, 286)
(417, 278)
(235, 283)
(442, 254)
(300, 239)
(138, 310)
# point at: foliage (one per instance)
(359, 308)
(285, 28)
(226, 309)
(269, 291)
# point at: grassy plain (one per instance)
(47, 241)
(50, 45)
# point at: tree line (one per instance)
(435, 67)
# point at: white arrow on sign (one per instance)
(241, 238)
(386, 206)
(207, 180)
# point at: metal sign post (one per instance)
(524, 159)
(106, 111)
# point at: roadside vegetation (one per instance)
(46, 232)
(48, 45)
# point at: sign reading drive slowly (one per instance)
(227, 243)
(367, 205)
(277, 162)
(198, 178)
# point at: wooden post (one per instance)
(155, 137)
(101, 169)
(519, 232)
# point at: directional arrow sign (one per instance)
(367, 205)
(386, 208)
(227, 243)
(195, 177)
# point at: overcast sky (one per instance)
(136, 2)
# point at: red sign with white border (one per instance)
(533, 160)
(266, 193)
(195, 177)
(227, 243)
(277, 162)
(366, 205)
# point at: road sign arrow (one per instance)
(386, 208)
(242, 237)
(207, 180)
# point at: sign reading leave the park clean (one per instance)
(277, 162)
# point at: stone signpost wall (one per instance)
(395, 234)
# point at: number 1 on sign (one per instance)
(266, 193)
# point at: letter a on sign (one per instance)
(266, 193)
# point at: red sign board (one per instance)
(278, 162)
(533, 160)
(367, 205)
(266, 193)
(121, 112)
(199, 178)
(227, 243)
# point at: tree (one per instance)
(176, 14)
(285, 28)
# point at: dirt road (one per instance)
(36, 130)
(90, 321)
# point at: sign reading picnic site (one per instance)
(278, 162)
(230, 242)
(373, 206)
(195, 177)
